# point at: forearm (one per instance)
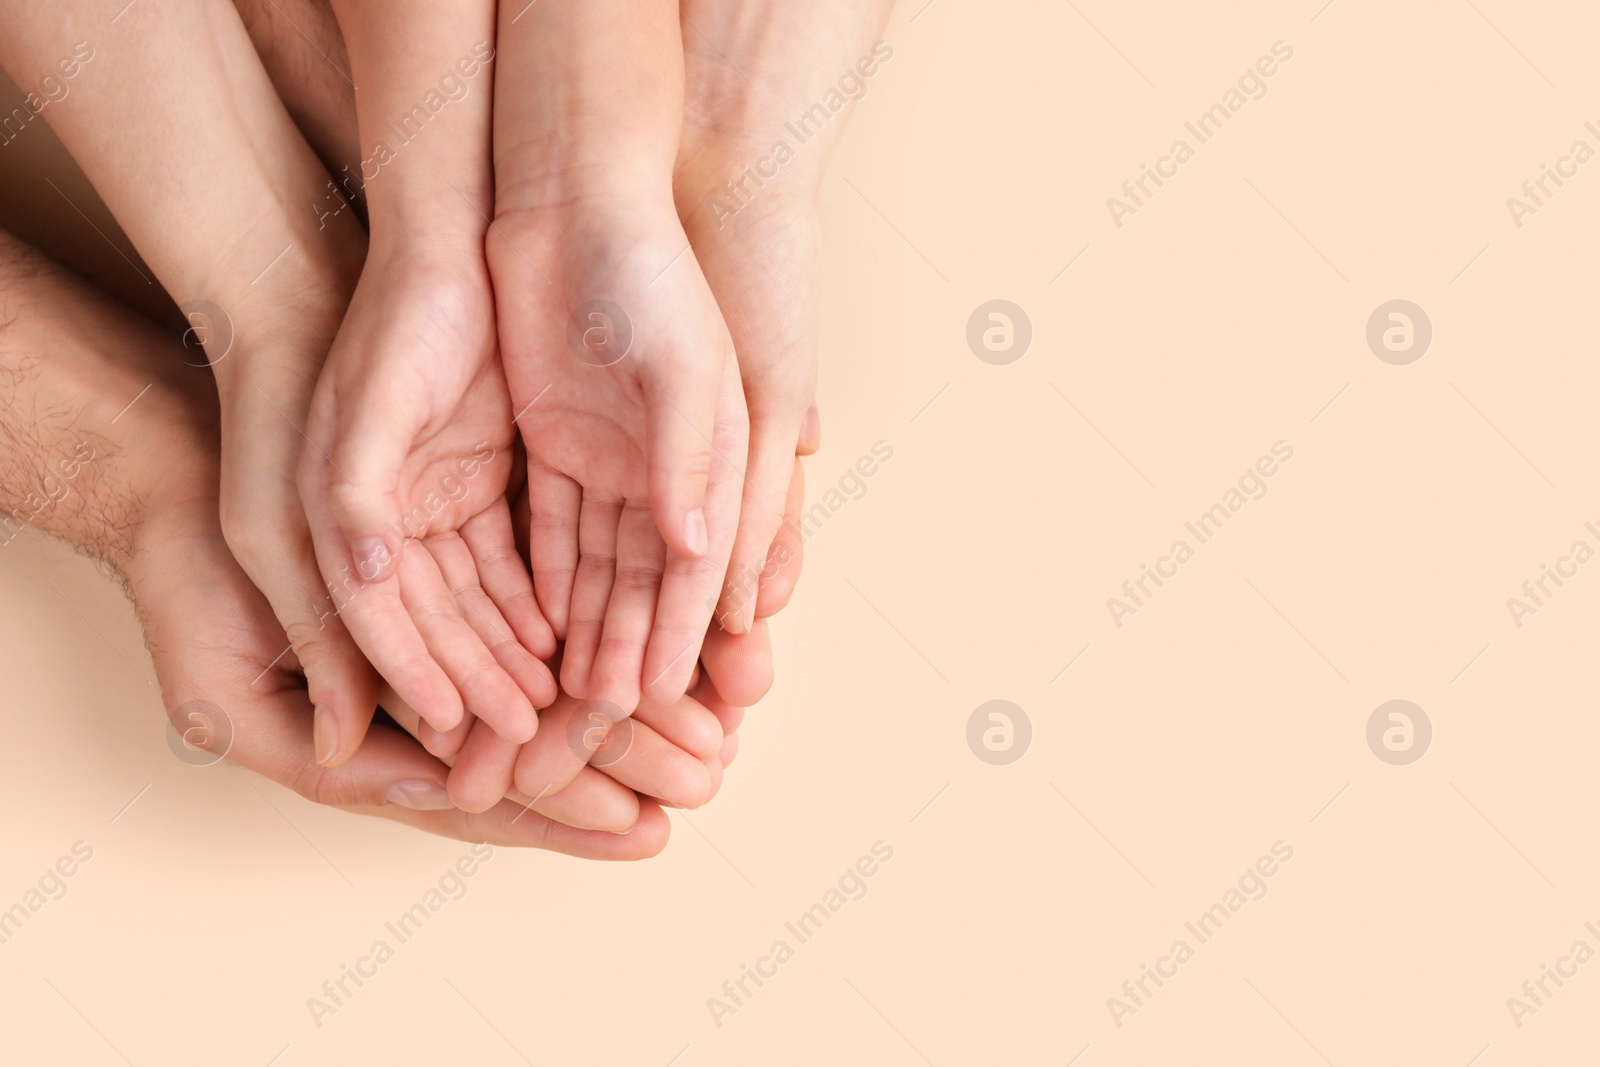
(424, 73)
(97, 425)
(178, 127)
(588, 101)
(772, 73)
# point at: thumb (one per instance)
(361, 471)
(681, 407)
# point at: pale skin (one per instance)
(636, 434)
(145, 501)
(413, 396)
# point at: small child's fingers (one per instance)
(504, 576)
(729, 716)
(377, 617)
(554, 504)
(460, 572)
(619, 660)
(558, 751)
(360, 470)
(485, 688)
(481, 775)
(591, 590)
(649, 764)
(681, 414)
(685, 723)
(447, 744)
(691, 585)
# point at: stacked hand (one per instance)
(537, 421)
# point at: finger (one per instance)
(591, 800)
(761, 515)
(591, 590)
(635, 587)
(810, 432)
(787, 553)
(567, 737)
(739, 666)
(690, 586)
(460, 571)
(340, 681)
(372, 432)
(377, 617)
(509, 824)
(504, 576)
(481, 774)
(729, 716)
(266, 531)
(649, 764)
(685, 723)
(485, 688)
(447, 744)
(554, 503)
(682, 402)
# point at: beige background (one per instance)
(1228, 714)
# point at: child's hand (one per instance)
(404, 473)
(635, 428)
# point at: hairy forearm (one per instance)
(423, 73)
(98, 425)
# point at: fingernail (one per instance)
(325, 733)
(694, 531)
(811, 428)
(371, 556)
(419, 794)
